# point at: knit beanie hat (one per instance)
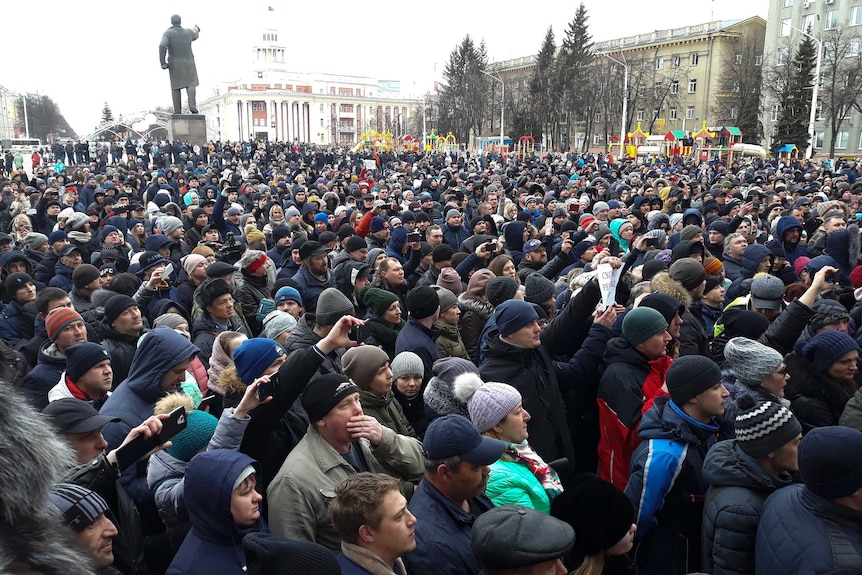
(84, 274)
(500, 289)
(830, 461)
(169, 224)
(150, 259)
(826, 312)
(422, 302)
(277, 322)
(204, 251)
(689, 232)
(712, 266)
(512, 315)
(117, 305)
(172, 320)
(447, 298)
(752, 362)
(599, 513)
(538, 289)
(287, 293)
(687, 271)
(331, 305)
(827, 347)
(442, 253)
(76, 221)
(855, 277)
(361, 364)
(355, 243)
(689, 376)
(378, 300)
(479, 281)
(324, 393)
(439, 394)
(487, 403)
(58, 319)
(651, 268)
(253, 356)
(378, 224)
(251, 261)
(274, 555)
(80, 358)
(191, 261)
(407, 363)
(450, 280)
(195, 437)
(764, 428)
(16, 281)
(34, 240)
(642, 323)
(77, 505)
(57, 236)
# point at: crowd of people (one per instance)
(420, 367)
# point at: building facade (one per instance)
(276, 104)
(7, 114)
(830, 22)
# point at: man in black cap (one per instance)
(419, 335)
(17, 319)
(503, 544)
(451, 496)
(88, 375)
(340, 442)
(313, 276)
(121, 327)
(666, 485)
(215, 297)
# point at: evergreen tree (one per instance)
(572, 67)
(795, 99)
(107, 114)
(465, 91)
(44, 118)
(543, 85)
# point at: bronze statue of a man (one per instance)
(176, 44)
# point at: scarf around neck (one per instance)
(524, 453)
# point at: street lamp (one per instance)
(813, 115)
(502, 101)
(625, 98)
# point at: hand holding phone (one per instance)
(359, 333)
(140, 446)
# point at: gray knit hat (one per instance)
(500, 289)
(488, 403)
(439, 394)
(764, 428)
(538, 289)
(331, 305)
(169, 224)
(447, 298)
(752, 362)
(277, 322)
(361, 364)
(407, 363)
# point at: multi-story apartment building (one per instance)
(836, 25)
(275, 103)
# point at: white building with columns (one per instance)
(276, 104)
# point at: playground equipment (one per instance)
(375, 140)
(526, 146)
(634, 140)
(678, 143)
(788, 152)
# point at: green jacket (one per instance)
(387, 411)
(449, 341)
(512, 483)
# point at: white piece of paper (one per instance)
(370, 164)
(608, 280)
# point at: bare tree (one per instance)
(738, 101)
(840, 79)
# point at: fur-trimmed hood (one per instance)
(663, 283)
(229, 381)
(32, 457)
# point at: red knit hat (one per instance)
(856, 277)
(58, 319)
(256, 264)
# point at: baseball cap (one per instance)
(532, 246)
(69, 249)
(72, 415)
(453, 435)
(312, 248)
(767, 292)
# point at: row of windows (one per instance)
(676, 60)
(832, 21)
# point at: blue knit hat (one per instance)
(321, 217)
(287, 293)
(513, 315)
(82, 357)
(827, 347)
(57, 236)
(253, 356)
(195, 437)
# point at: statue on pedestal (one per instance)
(175, 54)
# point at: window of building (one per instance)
(788, 3)
(831, 20)
(841, 140)
(856, 16)
(843, 111)
(642, 90)
(321, 108)
(758, 60)
(694, 59)
(692, 85)
(659, 63)
(598, 139)
(676, 61)
(641, 115)
(785, 27)
(733, 113)
(347, 108)
(689, 113)
(257, 106)
(674, 87)
(658, 88)
(672, 113)
(819, 114)
(321, 122)
(782, 56)
(598, 117)
(776, 109)
(737, 59)
(819, 138)
(808, 22)
(853, 45)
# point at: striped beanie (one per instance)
(762, 428)
(58, 319)
(78, 505)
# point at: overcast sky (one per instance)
(82, 54)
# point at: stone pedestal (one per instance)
(191, 128)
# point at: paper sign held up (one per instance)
(608, 280)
